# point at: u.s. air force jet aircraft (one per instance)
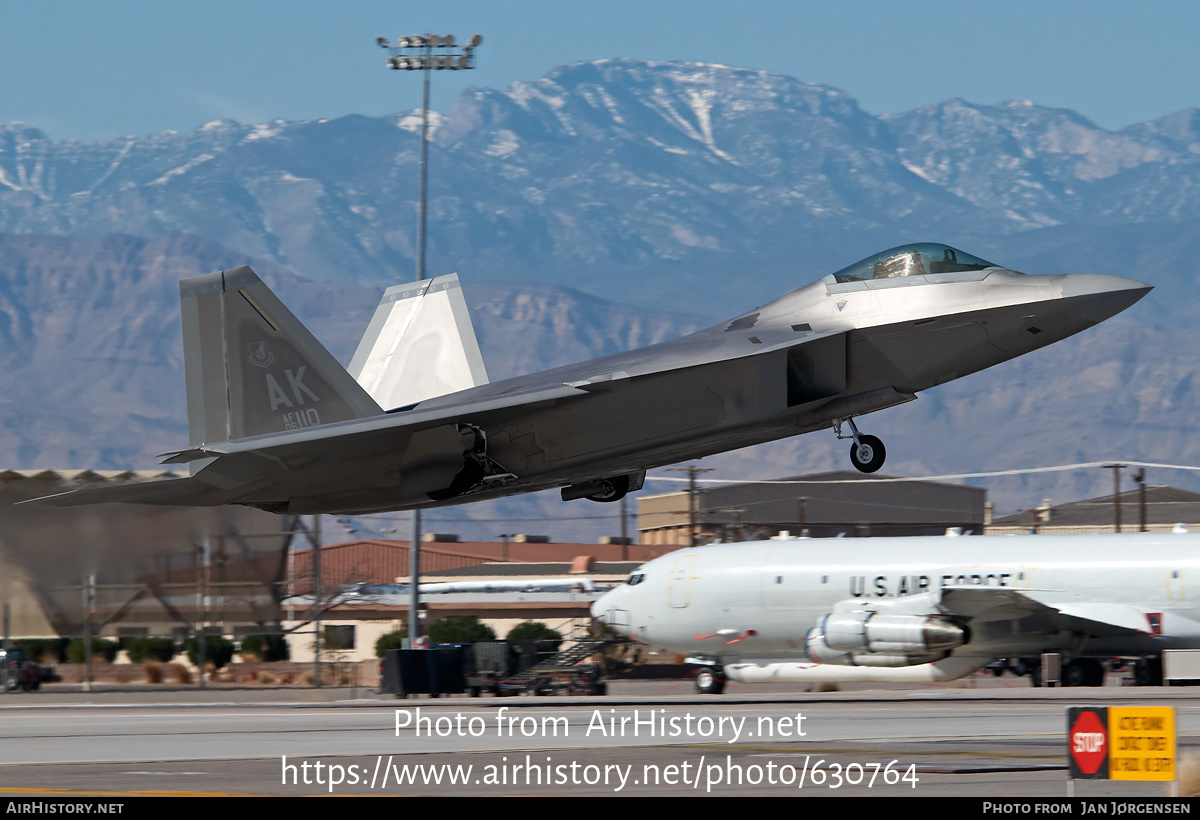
(276, 423)
(913, 610)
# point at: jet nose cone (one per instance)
(602, 609)
(1097, 297)
(601, 605)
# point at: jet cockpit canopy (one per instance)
(918, 259)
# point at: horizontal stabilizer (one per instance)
(173, 491)
(420, 344)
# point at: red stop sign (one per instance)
(1088, 742)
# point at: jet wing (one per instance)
(1100, 620)
(364, 433)
(1105, 620)
(297, 448)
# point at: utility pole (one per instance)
(314, 539)
(89, 604)
(504, 536)
(452, 58)
(201, 608)
(624, 530)
(692, 500)
(1140, 478)
(1116, 468)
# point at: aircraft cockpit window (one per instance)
(923, 259)
(908, 263)
(636, 579)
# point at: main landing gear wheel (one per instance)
(867, 454)
(1083, 672)
(1027, 667)
(709, 681)
(1148, 671)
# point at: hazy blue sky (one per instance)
(92, 68)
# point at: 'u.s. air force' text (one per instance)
(891, 586)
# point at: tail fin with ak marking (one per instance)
(252, 367)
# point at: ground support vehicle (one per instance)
(18, 672)
(552, 673)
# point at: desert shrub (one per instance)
(154, 671)
(141, 650)
(533, 631)
(460, 629)
(218, 651)
(102, 650)
(44, 650)
(392, 640)
(266, 647)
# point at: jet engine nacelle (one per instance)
(868, 638)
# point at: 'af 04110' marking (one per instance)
(301, 418)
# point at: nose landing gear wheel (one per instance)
(867, 454)
(709, 682)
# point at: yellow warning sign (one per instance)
(1141, 743)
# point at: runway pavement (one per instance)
(1003, 739)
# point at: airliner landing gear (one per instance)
(867, 453)
(710, 680)
(1083, 672)
(1031, 668)
(1148, 671)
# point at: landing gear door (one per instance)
(679, 588)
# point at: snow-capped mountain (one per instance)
(678, 185)
(699, 189)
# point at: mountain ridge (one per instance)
(671, 190)
(614, 177)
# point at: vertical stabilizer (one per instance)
(420, 344)
(252, 368)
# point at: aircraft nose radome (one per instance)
(1097, 297)
(601, 605)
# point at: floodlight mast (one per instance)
(446, 57)
(437, 52)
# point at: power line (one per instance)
(949, 477)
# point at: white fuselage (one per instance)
(749, 607)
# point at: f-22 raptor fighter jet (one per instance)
(276, 423)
